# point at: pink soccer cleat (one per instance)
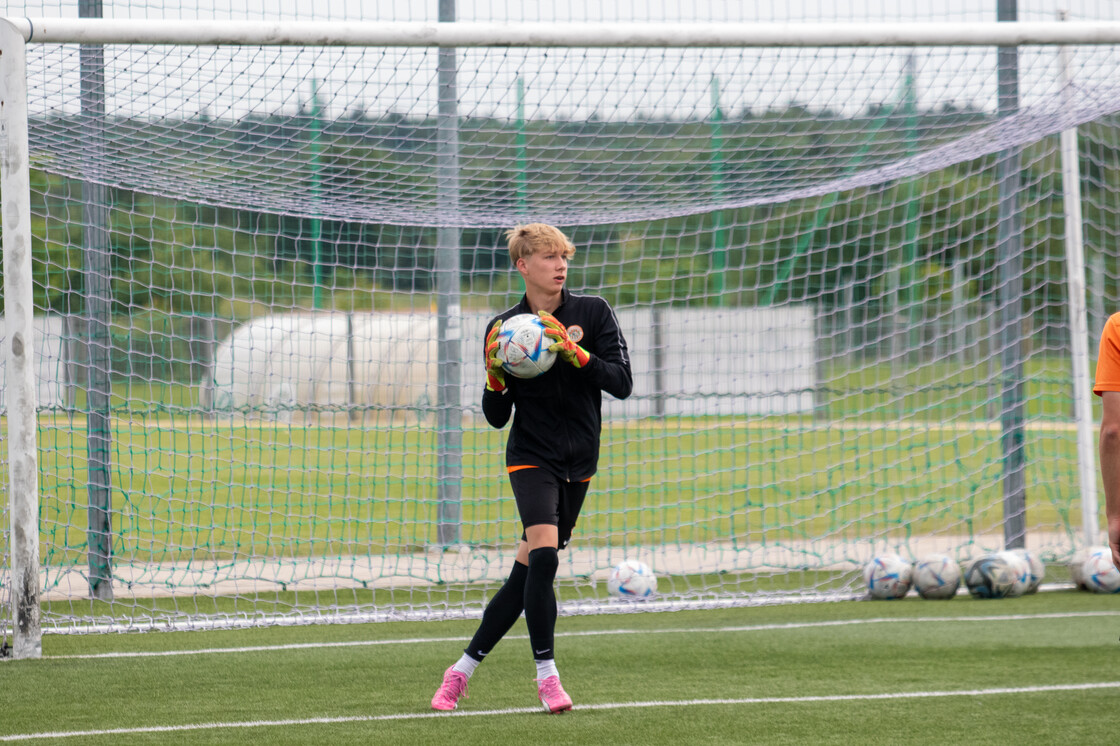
(552, 695)
(454, 686)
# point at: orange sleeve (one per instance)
(1108, 359)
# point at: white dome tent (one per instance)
(380, 367)
(327, 365)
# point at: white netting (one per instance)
(804, 247)
(615, 135)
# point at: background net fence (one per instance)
(242, 300)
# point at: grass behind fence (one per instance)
(189, 490)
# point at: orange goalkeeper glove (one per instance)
(564, 346)
(495, 375)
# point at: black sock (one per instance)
(500, 614)
(540, 601)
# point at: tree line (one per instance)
(329, 230)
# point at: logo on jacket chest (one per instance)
(575, 333)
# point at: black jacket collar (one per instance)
(523, 306)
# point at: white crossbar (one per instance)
(468, 34)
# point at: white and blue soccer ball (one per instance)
(936, 576)
(1079, 561)
(1020, 572)
(523, 346)
(989, 577)
(1076, 567)
(887, 576)
(1037, 568)
(631, 579)
(1098, 574)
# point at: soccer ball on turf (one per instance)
(887, 576)
(1038, 569)
(1020, 571)
(523, 346)
(1076, 566)
(989, 577)
(631, 579)
(1098, 573)
(937, 576)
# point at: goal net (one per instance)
(261, 275)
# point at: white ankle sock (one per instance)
(546, 668)
(466, 665)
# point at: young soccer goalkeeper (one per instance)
(552, 450)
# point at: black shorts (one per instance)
(542, 497)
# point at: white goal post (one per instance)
(916, 319)
(535, 34)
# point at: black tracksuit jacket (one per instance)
(557, 416)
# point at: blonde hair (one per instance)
(526, 240)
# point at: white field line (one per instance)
(601, 706)
(594, 633)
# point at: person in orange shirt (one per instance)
(1107, 387)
